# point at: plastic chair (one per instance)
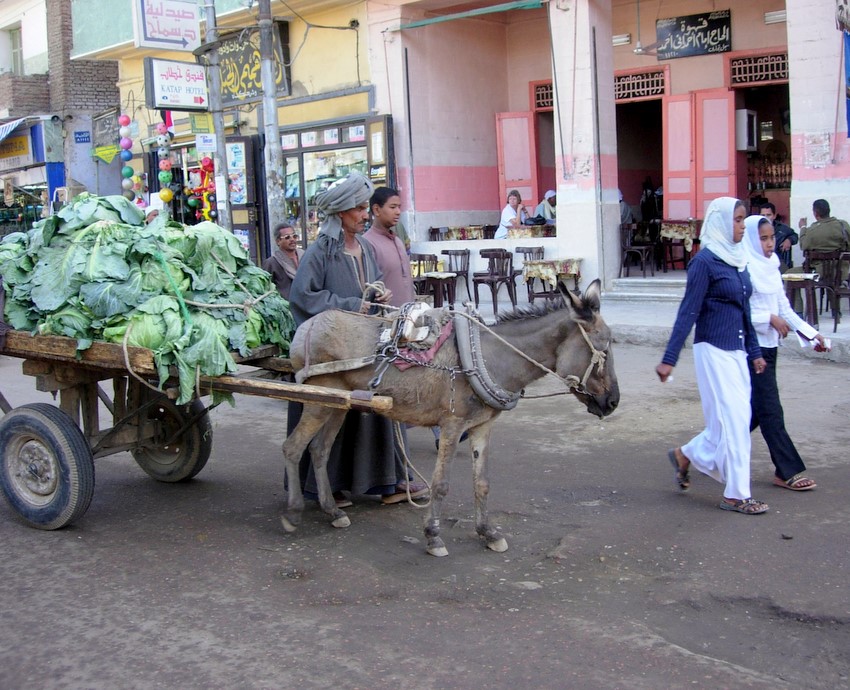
(500, 271)
(457, 261)
(644, 252)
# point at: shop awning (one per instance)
(504, 7)
(9, 127)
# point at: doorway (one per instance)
(639, 149)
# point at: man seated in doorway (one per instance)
(283, 263)
(785, 236)
(546, 208)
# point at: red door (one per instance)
(715, 147)
(517, 152)
(679, 172)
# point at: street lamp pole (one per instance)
(272, 154)
(219, 157)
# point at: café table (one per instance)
(804, 283)
(550, 271)
(684, 231)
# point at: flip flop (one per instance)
(680, 476)
(793, 482)
(747, 506)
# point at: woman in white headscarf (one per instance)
(335, 273)
(717, 301)
(773, 319)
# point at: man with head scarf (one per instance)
(546, 208)
(338, 271)
(338, 268)
(717, 301)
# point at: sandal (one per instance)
(680, 476)
(747, 506)
(799, 482)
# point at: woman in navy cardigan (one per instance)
(717, 301)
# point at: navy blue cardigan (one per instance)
(717, 298)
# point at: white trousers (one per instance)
(722, 450)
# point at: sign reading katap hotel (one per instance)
(175, 85)
(167, 24)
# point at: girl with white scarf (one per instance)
(717, 301)
(773, 319)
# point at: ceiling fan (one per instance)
(639, 48)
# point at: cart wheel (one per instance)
(186, 456)
(46, 466)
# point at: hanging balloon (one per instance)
(161, 128)
(129, 195)
(126, 143)
(187, 191)
(165, 164)
(166, 195)
(127, 171)
(165, 176)
(126, 155)
(163, 152)
(192, 202)
(124, 131)
(163, 140)
(211, 198)
(124, 120)
(126, 183)
(213, 214)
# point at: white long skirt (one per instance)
(722, 450)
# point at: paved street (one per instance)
(612, 579)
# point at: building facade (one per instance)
(457, 105)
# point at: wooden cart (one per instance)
(47, 453)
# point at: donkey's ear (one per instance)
(593, 295)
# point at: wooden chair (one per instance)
(500, 271)
(457, 261)
(832, 268)
(489, 231)
(530, 254)
(422, 264)
(628, 250)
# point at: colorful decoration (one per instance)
(166, 195)
(124, 120)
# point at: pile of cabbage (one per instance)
(94, 271)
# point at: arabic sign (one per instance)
(167, 24)
(240, 66)
(695, 34)
(15, 152)
(175, 85)
(105, 128)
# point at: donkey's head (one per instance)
(585, 357)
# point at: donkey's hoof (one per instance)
(436, 547)
(499, 545)
(341, 521)
(289, 525)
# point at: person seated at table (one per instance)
(546, 208)
(513, 215)
(826, 234)
(626, 214)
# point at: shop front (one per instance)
(25, 175)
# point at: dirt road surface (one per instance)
(612, 578)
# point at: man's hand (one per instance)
(780, 324)
(384, 297)
(785, 246)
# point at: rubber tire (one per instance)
(44, 438)
(182, 461)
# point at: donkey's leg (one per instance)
(312, 419)
(479, 439)
(320, 450)
(449, 435)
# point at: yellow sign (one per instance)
(15, 146)
(201, 123)
(106, 153)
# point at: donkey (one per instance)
(569, 337)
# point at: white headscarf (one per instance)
(764, 272)
(716, 234)
(349, 192)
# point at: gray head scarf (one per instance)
(349, 192)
